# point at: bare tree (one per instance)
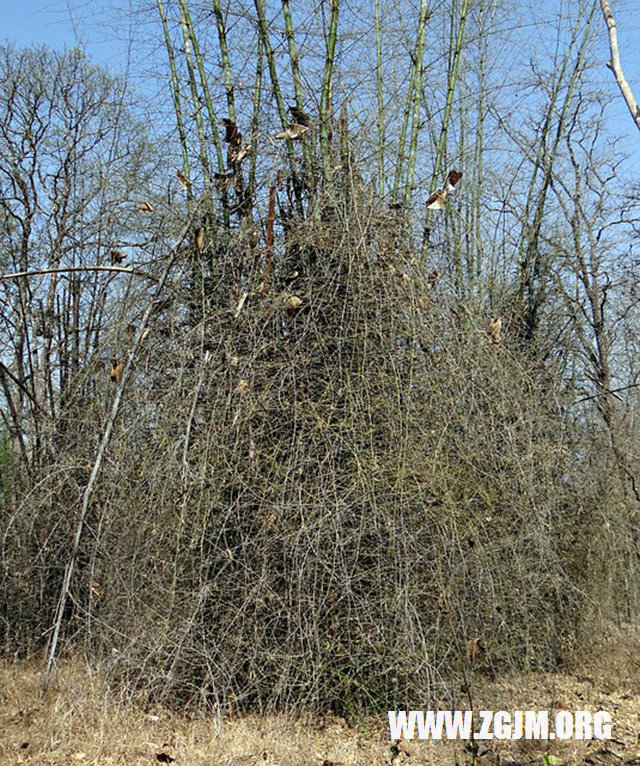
(71, 178)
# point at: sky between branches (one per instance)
(111, 32)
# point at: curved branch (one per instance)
(63, 269)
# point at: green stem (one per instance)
(380, 95)
(175, 94)
(416, 98)
(451, 89)
(226, 61)
(297, 81)
(255, 118)
(187, 33)
(326, 99)
(204, 84)
(452, 81)
(263, 32)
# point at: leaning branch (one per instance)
(64, 269)
(615, 66)
(104, 443)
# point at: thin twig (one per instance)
(115, 408)
(612, 391)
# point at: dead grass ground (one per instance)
(78, 723)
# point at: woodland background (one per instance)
(258, 449)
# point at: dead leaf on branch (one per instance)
(495, 330)
(232, 134)
(183, 180)
(117, 256)
(199, 238)
(293, 132)
(438, 200)
(116, 371)
(299, 117)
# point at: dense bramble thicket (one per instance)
(334, 478)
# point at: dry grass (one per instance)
(81, 722)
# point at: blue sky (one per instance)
(93, 22)
(37, 21)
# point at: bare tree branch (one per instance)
(615, 66)
(65, 269)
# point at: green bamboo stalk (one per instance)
(380, 97)
(326, 98)
(416, 98)
(413, 98)
(271, 61)
(345, 156)
(293, 54)
(213, 121)
(458, 229)
(175, 94)
(452, 81)
(297, 81)
(263, 33)
(187, 33)
(402, 139)
(451, 88)
(204, 85)
(244, 209)
(226, 61)
(477, 179)
(255, 118)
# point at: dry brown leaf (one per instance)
(495, 330)
(299, 117)
(432, 277)
(117, 256)
(199, 238)
(292, 304)
(473, 645)
(437, 200)
(240, 304)
(293, 132)
(236, 153)
(452, 180)
(232, 134)
(116, 370)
